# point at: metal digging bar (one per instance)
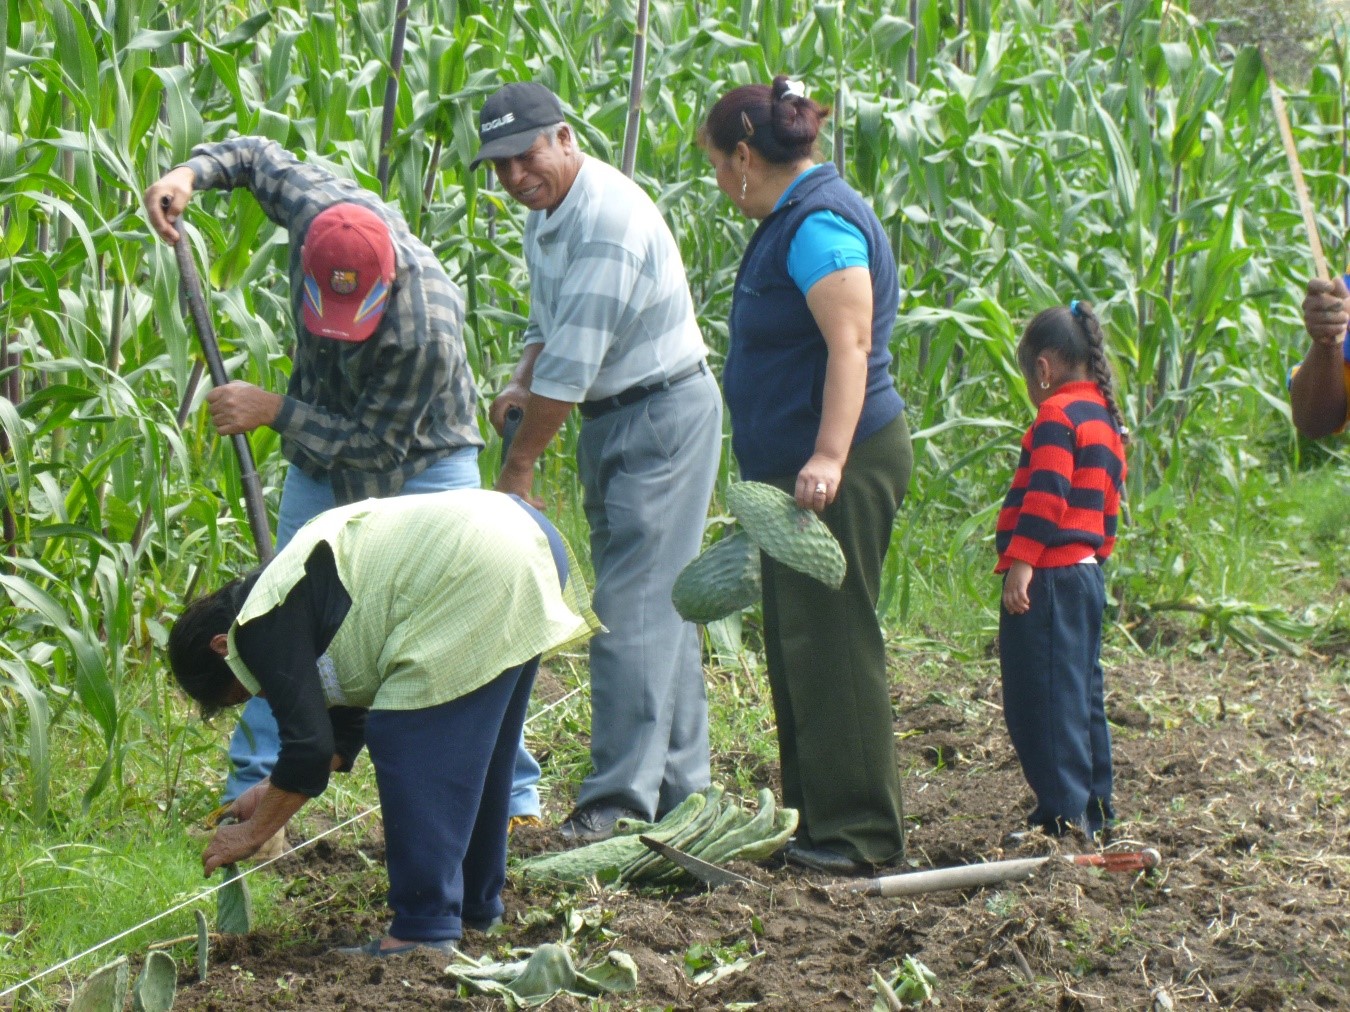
(206, 337)
(514, 416)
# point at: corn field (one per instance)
(1019, 155)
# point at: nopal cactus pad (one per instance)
(796, 537)
(720, 582)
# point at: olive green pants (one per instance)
(827, 666)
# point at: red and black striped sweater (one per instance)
(1065, 496)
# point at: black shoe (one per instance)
(595, 821)
(829, 861)
(1061, 827)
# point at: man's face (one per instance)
(541, 176)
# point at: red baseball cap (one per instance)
(348, 261)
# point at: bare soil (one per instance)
(1236, 770)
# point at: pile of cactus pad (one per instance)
(708, 825)
(725, 578)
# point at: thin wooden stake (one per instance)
(1296, 170)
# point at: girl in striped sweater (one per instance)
(1058, 523)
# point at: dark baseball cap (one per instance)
(512, 118)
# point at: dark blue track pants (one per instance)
(1053, 697)
(444, 776)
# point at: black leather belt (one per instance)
(604, 405)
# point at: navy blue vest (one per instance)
(774, 376)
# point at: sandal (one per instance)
(372, 948)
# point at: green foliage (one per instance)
(707, 825)
(1032, 153)
(910, 986)
(58, 899)
(105, 990)
(234, 904)
(156, 985)
(548, 971)
(707, 964)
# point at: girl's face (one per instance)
(1038, 373)
(1048, 373)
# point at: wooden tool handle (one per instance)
(1296, 170)
(968, 876)
(206, 338)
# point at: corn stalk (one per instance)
(1015, 160)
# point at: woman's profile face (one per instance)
(727, 173)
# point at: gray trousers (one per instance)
(648, 471)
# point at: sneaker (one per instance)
(589, 823)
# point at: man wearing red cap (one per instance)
(381, 400)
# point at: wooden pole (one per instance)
(1296, 170)
(206, 337)
(391, 92)
(969, 876)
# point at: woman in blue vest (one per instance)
(814, 411)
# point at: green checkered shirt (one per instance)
(448, 589)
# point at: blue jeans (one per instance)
(1054, 698)
(255, 743)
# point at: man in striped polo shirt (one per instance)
(612, 331)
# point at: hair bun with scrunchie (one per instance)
(794, 117)
(784, 87)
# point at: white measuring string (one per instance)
(198, 897)
(179, 906)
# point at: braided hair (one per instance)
(778, 120)
(1074, 333)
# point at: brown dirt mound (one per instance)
(1237, 771)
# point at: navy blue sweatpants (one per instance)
(1053, 700)
(444, 774)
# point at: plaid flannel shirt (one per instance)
(371, 415)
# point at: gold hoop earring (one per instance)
(743, 185)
